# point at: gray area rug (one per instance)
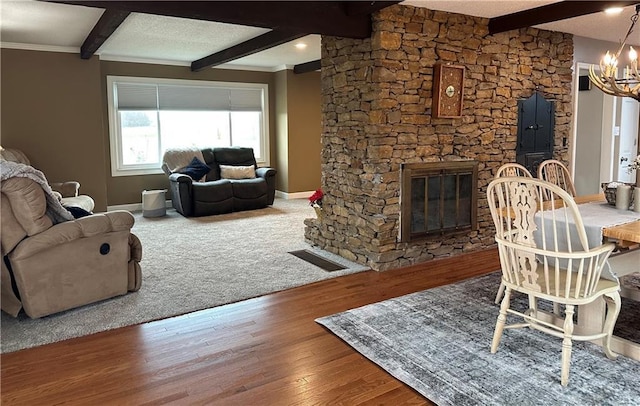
(438, 342)
(190, 264)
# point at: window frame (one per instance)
(115, 138)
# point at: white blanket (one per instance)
(55, 210)
(177, 158)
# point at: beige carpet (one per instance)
(191, 264)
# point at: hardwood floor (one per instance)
(263, 351)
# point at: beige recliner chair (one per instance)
(48, 268)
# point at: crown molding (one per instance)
(151, 61)
(228, 66)
(116, 58)
(39, 47)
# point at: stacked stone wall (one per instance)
(376, 110)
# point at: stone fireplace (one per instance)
(377, 119)
(437, 198)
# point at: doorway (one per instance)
(605, 131)
(628, 140)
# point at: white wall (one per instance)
(588, 139)
(591, 50)
(588, 135)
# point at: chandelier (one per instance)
(607, 79)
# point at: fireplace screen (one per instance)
(437, 198)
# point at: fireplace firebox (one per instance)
(437, 198)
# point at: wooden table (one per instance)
(624, 235)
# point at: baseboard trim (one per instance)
(168, 204)
(135, 206)
(295, 195)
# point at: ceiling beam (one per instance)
(307, 67)
(106, 25)
(549, 13)
(354, 8)
(335, 18)
(257, 44)
(289, 20)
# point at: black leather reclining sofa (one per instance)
(218, 195)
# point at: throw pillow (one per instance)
(237, 172)
(77, 212)
(196, 169)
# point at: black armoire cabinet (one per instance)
(535, 131)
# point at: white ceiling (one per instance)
(30, 24)
(487, 9)
(150, 36)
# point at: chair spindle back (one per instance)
(533, 231)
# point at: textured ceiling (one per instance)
(40, 23)
(31, 24)
(480, 8)
(610, 28)
(149, 36)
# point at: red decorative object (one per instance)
(315, 199)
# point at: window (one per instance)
(148, 116)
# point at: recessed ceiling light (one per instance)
(301, 45)
(613, 10)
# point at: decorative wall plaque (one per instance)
(448, 86)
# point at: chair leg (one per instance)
(502, 319)
(566, 345)
(613, 309)
(500, 293)
(533, 306)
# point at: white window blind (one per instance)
(245, 100)
(193, 98)
(137, 96)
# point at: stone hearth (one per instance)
(376, 111)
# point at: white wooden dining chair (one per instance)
(555, 172)
(545, 254)
(510, 169)
(513, 169)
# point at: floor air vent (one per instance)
(318, 261)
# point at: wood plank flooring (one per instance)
(263, 351)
